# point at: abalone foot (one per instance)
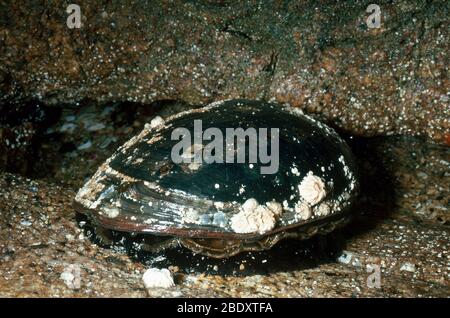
(220, 248)
(212, 247)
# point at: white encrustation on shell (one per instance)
(253, 218)
(110, 212)
(323, 209)
(312, 189)
(158, 278)
(156, 122)
(250, 205)
(192, 151)
(302, 210)
(218, 205)
(190, 216)
(295, 171)
(194, 166)
(275, 207)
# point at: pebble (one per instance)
(95, 127)
(26, 223)
(408, 267)
(86, 145)
(68, 278)
(158, 278)
(345, 257)
(68, 128)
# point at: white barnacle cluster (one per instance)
(256, 218)
(192, 216)
(323, 209)
(303, 210)
(312, 191)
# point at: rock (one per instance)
(402, 218)
(321, 58)
(21, 129)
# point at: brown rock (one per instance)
(322, 58)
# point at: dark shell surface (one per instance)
(140, 189)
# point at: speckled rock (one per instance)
(314, 55)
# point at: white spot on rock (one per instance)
(67, 277)
(408, 267)
(345, 257)
(158, 278)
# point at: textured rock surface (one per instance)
(402, 227)
(314, 55)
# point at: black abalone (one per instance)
(222, 208)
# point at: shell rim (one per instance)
(122, 224)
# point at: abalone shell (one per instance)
(141, 189)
